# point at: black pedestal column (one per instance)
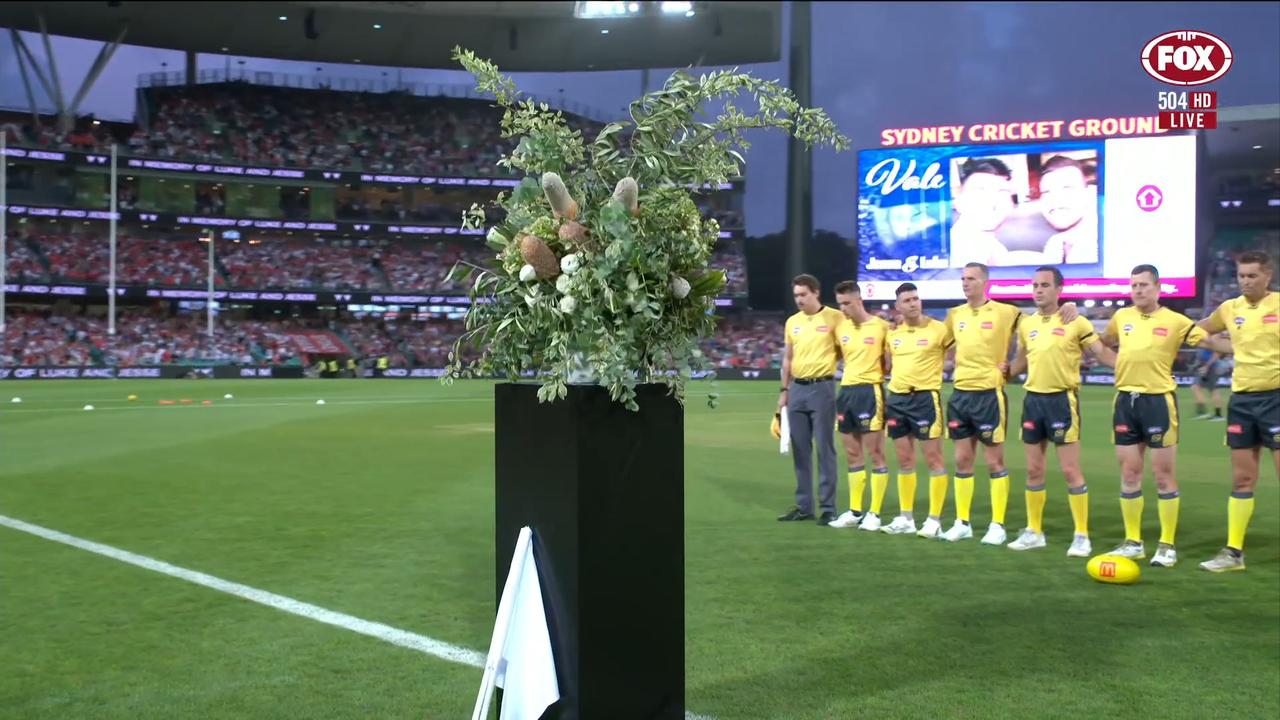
(603, 489)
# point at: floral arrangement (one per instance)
(602, 255)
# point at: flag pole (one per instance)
(111, 250)
(501, 626)
(4, 218)
(209, 304)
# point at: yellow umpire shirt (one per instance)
(982, 338)
(1255, 341)
(814, 343)
(918, 353)
(862, 345)
(1054, 351)
(1148, 346)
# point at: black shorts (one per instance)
(860, 409)
(1145, 418)
(916, 413)
(1253, 419)
(1051, 416)
(980, 413)
(1209, 380)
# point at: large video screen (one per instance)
(1093, 208)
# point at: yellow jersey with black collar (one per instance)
(982, 338)
(1148, 346)
(815, 347)
(918, 353)
(1255, 341)
(862, 345)
(1053, 350)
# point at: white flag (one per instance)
(527, 670)
(784, 443)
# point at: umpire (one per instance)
(809, 397)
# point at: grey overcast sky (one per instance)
(876, 65)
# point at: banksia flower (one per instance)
(628, 193)
(557, 194)
(573, 234)
(536, 253)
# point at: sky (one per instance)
(876, 65)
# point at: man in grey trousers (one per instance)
(809, 398)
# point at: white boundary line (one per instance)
(227, 404)
(300, 402)
(403, 638)
(379, 631)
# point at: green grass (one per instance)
(379, 505)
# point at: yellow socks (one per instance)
(879, 485)
(1131, 508)
(1168, 509)
(1035, 508)
(1239, 510)
(906, 491)
(857, 487)
(964, 496)
(937, 494)
(1079, 500)
(999, 495)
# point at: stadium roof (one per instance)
(519, 36)
(1247, 138)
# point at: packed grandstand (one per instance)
(307, 129)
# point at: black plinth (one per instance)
(603, 489)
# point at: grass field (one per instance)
(379, 505)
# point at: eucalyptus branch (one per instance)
(626, 288)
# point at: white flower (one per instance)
(531, 300)
(570, 263)
(527, 273)
(568, 304)
(562, 284)
(680, 288)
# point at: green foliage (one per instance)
(642, 295)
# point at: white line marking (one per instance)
(308, 401)
(379, 631)
(395, 636)
(231, 404)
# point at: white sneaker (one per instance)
(1130, 549)
(847, 520)
(1081, 546)
(960, 531)
(931, 529)
(996, 535)
(901, 525)
(1227, 560)
(1202, 416)
(1166, 556)
(870, 521)
(1028, 540)
(1217, 418)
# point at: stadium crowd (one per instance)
(167, 260)
(243, 123)
(43, 336)
(143, 337)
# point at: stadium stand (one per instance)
(244, 123)
(45, 337)
(49, 337)
(76, 254)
